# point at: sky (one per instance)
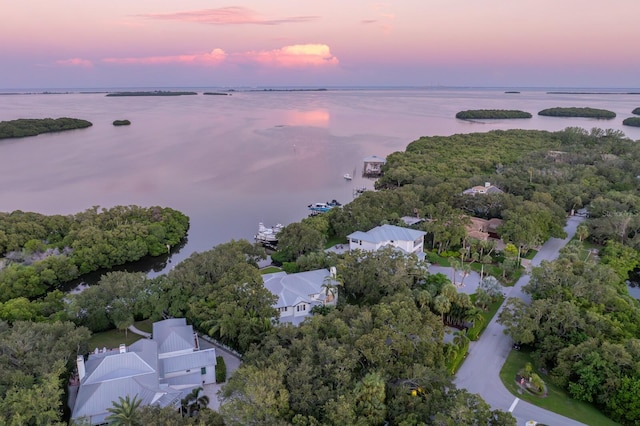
(319, 43)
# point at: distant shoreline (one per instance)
(593, 93)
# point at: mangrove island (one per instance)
(474, 114)
(23, 127)
(578, 112)
(152, 93)
(632, 121)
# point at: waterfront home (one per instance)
(299, 293)
(159, 371)
(406, 239)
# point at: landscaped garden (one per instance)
(552, 398)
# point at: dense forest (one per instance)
(34, 126)
(578, 112)
(475, 114)
(41, 252)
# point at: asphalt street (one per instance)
(480, 371)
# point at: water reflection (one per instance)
(150, 265)
(316, 118)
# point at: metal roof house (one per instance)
(406, 239)
(298, 293)
(488, 188)
(160, 371)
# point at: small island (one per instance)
(121, 122)
(23, 127)
(152, 93)
(511, 91)
(631, 121)
(475, 114)
(217, 93)
(636, 111)
(578, 112)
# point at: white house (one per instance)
(407, 239)
(159, 371)
(298, 293)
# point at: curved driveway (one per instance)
(480, 371)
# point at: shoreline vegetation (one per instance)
(24, 127)
(593, 93)
(578, 112)
(474, 114)
(151, 93)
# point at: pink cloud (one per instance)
(75, 62)
(232, 15)
(294, 56)
(297, 55)
(214, 57)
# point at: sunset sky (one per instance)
(210, 43)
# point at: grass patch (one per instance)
(332, 241)
(435, 259)
(530, 254)
(270, 270)
(112, 339)
(557, 400)
(144, 325)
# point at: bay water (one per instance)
(230, 162)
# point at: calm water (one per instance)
(229, 162)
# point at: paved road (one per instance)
(480, 371)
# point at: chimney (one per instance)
(487, 184)
(332, 271)
(123, 348)
(81, 370)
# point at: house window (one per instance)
(203, 370)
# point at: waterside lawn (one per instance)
(112, 339)
(556, 400)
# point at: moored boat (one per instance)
(323, 207)
(267, 235)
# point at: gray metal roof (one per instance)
(173, 335)
(112, 374)
(375, 159)
(384, 233)
(194, 360)
(293, 289)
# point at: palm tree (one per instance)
(194, 402)
(125, 412)
(460, 338)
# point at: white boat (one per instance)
(347, 176)
(268, 235)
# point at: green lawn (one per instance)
(270, 270)
(335, 240)
(112, 339)
(557, 399)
